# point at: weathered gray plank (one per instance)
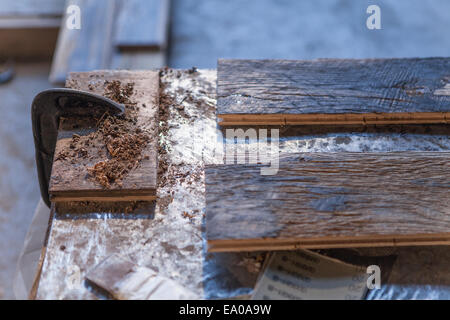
(327, 200)
(331, 91)
(31, 7)
(142, 24)
(70, 180)
(89, 48)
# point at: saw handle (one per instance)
(46, 110)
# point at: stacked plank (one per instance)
(328, 200)
(333, 199)
(114, 34)
(29, 29)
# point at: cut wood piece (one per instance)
(333, 91)
(88, 48)
(139, 60)
(142, 24)
(71, 180)
(330, 200)
(124, 280)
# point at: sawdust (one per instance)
(121, 94)
(123, 139)
(165, 102)
(125, 144)
(171, 107)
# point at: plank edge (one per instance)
(328, 243)
(334, 119)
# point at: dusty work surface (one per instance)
(173, 242)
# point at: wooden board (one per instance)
(29, 29)
(70, 181)
(89, 48)
(28, 39)
(333, 91)
(142, 24)
(328, 200)
(31, 7)
(146, 59)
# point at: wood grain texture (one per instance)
(89, 48)
(70, 182)
(333, 91)
(29, 39)
(142, 24)
(326, 200)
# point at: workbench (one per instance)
(172, 242)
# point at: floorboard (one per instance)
(333, 91)
(328, 200)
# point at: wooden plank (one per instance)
(333, 91)
(139, 60)
(11, 24)
(28, 39)
(89, 48)
(328, 200)
(31, 7)
(71, 180)
(142, 24)
(29, 29)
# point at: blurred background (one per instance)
(40, 43)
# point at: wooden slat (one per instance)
(89, 48)
(142, 24)
(28, 39)
(70, 180)
(31, 7)
(147, 59)
(330, 91)
(29, 29)
(328, 200)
